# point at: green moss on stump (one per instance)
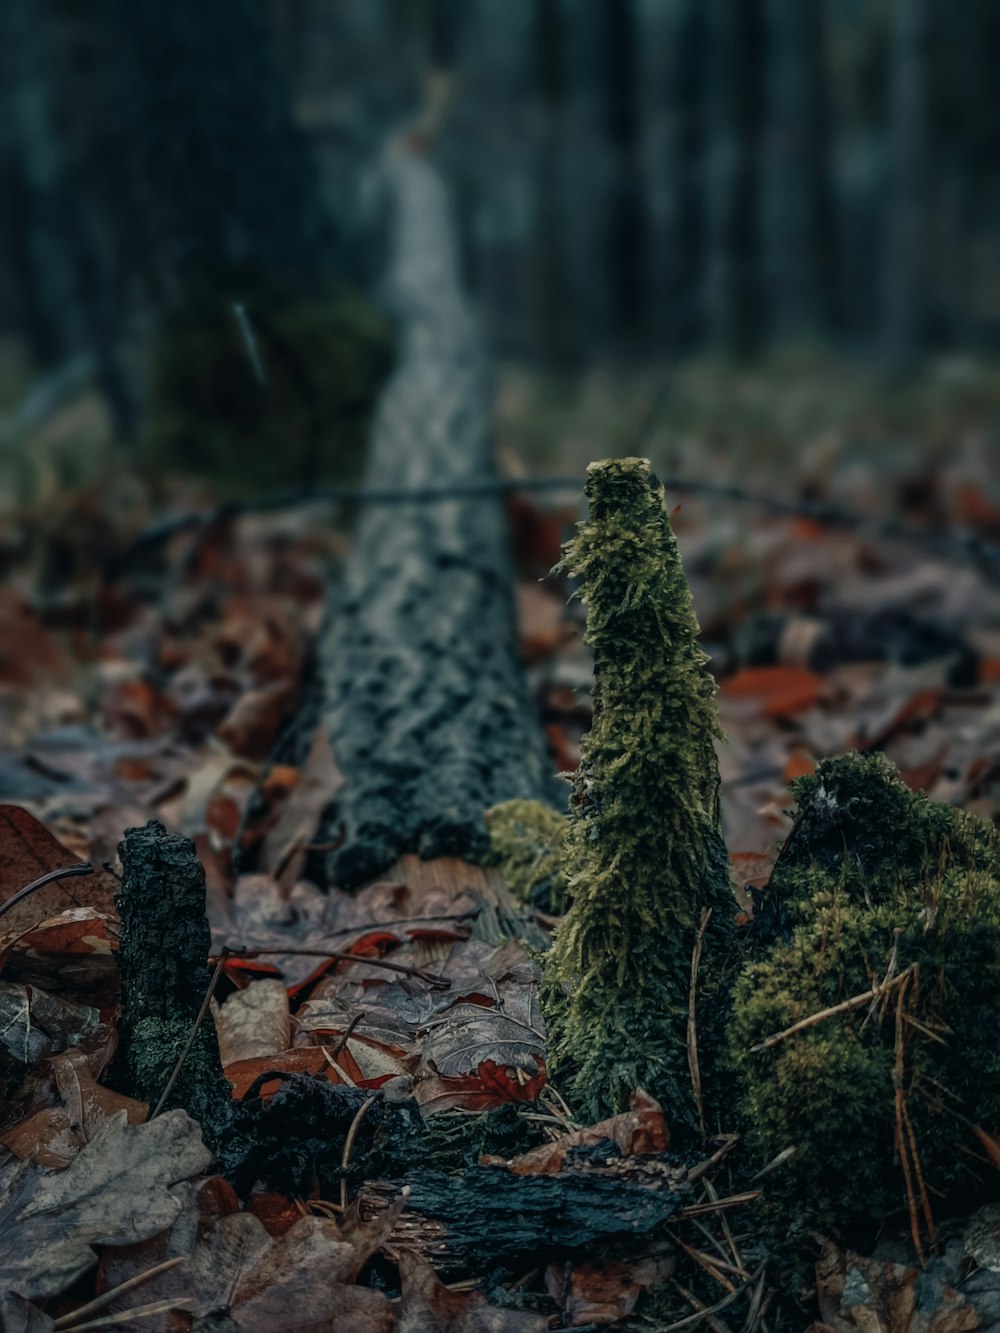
(526, 844)
(875, 877)
(644, 850)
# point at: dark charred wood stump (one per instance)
(427, 709)
(164, 974)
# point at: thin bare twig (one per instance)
(217, 973)
(140, 1312)
(833, 1010)
(949, 545)
(352, 1134)
(432, 978)
(692, 1320)
(692, 1023)
(67, 1321)
(63, 872)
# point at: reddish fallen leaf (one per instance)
(29, 654)
(73, 951)
(277, 1213)
(52, 1137)
(27, 851)
(603, 1293)
(252, 725)
(487, 1087)
(242, 1074)
(135, 709)
(798, 764)
(641, 1129)
(783, 691)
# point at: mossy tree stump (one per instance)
(891, 900)
(162, 965)
(645, 861)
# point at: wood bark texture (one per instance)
(426, 704)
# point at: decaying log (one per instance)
(490, 1215)
(426, 705)
(164, 943)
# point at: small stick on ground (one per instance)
(692, 1024)
(834, 1009)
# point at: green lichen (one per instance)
(526, 844)
(644, 850)
(876, 882)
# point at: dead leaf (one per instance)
(781, 691)
(428, 1304)
(27, 851)
(880, 1297)
(605, 1292)
(253, 1023)
(54, 1135)
(641, 1129)
(118, 1188)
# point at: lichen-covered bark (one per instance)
(427, 710)
(645, 854)
(162, 953)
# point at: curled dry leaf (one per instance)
(641, 1129)
(294, 1280)
(73, 951)
(54, 1135)
(603, 1293)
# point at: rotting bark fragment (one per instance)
(489, 1215)
(165, 941)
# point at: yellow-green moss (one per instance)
(644, 850)
(526, 843)
(875, 880)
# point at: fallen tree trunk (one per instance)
(426, 705)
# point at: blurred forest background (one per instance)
(756, 215)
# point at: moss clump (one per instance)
(526, 843)
(644, 849)
(281, 395)
(876, 882)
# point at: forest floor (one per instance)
(162, 682)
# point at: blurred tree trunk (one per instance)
(41, 210)
(797, 197)
(554, 339)
(624, 242)
(909, 179)
(222, 176)
(673, 53)
(735, 115)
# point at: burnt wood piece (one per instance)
(426, 707)
(490, 1215)
(165, 942)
